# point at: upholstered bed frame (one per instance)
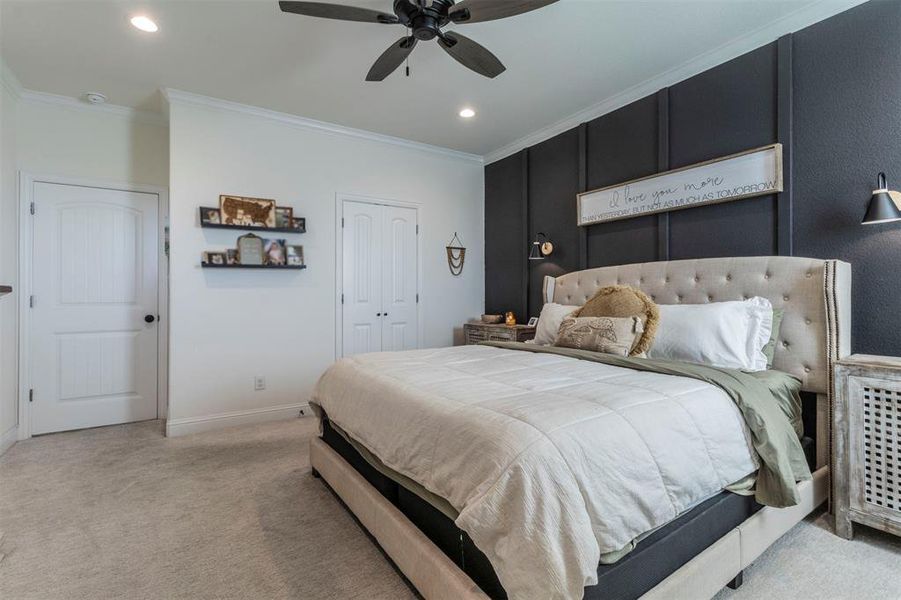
(816, 298)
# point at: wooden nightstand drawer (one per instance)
(482, 332)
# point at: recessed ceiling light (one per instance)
(144, 24)
(467, 113)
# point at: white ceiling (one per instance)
(571, 58)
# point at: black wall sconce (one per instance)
(541, 247)
(882, 208)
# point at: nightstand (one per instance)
(866, 482)
(483, 332)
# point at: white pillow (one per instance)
(722, 334)
(552, 315)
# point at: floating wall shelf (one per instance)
(250, 228)
(274, 267)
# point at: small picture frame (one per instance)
(294, 255)
(274, 252)
(231, 256)
(284, 217)
(210, 216)
(216, 258)
(250, 249)
(299, 224)
(533, 321)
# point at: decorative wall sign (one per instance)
(750, 173)
(455, 256)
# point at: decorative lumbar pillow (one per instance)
(722, 334)
(610, 335)
(552, 314)
(625, 301)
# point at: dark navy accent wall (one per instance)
(847, 127)
(831, 94)
(722, 111)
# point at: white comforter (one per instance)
(550, 461)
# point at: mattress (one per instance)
(554, 463)
(654, 558)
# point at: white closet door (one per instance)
(362, 274)
(400, 329)
(93, 355)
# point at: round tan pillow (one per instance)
(625, 301)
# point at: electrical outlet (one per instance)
(259, 383)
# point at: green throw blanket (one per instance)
(761, 398)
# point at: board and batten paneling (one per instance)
(622, 145)
(553, 185)
(505, 236)
(830, 93)
(727, 109)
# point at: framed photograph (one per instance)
(231, 256)
(294, 255)
(216, 258)
(247, 212)
(209, 216)
(533, 321)
(274, 251)
(250, 249)
(299, 224)
(284, 216)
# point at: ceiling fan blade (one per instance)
(391, 58)
(337, 11)
(471, 55)
(476, 11)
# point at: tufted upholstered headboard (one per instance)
(815, 295)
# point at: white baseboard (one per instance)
(9, 438)
(189, 425)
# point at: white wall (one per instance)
(44, 135)
(91, 143)
(8, 263)
(229, 326)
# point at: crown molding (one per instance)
(177, 96)
(794, 21)
(133, 114)
(9, 80)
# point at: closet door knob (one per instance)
(378, 314)
(149, 318)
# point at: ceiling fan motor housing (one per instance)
(425, 22)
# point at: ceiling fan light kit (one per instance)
(424, 20)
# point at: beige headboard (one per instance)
(815, 295)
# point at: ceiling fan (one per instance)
(425, 19)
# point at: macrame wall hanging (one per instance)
(455, 255)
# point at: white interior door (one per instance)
(379, 278)
(362, 278)
(400, 329)
(94, 280)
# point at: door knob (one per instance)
(149, 318)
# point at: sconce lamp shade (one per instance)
(540, 248)
(882, 208)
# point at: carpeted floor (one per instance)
(121, 512)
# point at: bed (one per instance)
(693, 541)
